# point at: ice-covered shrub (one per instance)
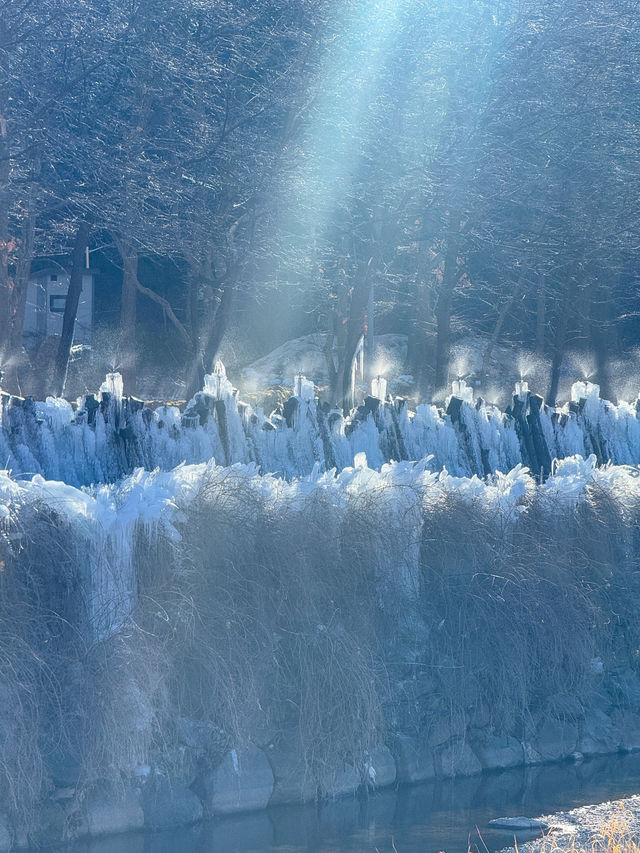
(331, 612)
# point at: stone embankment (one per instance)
(253, 778)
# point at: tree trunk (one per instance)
(127, 347)
(70, 309)
(500, 321)
(541, 315)
(443, 306)
(420, 342)
(4, 235)
(355, 330)
(329, 347)
(18, 301)
(369, 336)
(560, 341)
(212, 331)
(601, 337)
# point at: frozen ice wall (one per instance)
(105, 522)
(107, 436)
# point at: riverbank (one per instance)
(424, 818)
(609, 826)
(208, 641)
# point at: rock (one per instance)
(51, 825)
(519, 823)
(380, 769)
(64, 768)
(182, 763)
(627, 724)
(75, 818)
(166, 805)
(481, 717)
(497, 752)
(564, 706)
(599, 735)
(444, 728)
(414, 759)
(456, 759)
(202, 735)
(112, 810)
(242, 782)
(342, 780)
(6, 841)
(531, 754)
(556, 739)
(293, 782)
(624, 686)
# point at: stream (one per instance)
(449, 815)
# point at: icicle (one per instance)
(303, 388)
(462, 390)
(216, 384)
(379, 387)
(584, 391)
(113, 385)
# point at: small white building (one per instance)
(46, 298)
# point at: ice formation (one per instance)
(106, 519)
(106, 437)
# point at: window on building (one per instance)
(57, 303)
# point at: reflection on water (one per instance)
(421, 819)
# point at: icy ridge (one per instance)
(105, 439)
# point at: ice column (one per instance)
(379, 387)
(216, 384)
(113, 385)
(462, 390)
(303, 388)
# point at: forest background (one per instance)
(248, 171)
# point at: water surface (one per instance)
(428, 818)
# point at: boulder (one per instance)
(64, 768)
(413, 757)
(599, 735)
(6, 841)
(51, 827)
(167, 804)
(341, 780)
(555, 739)
(293, 782)
(497, 752)
(380, 768)
(444, 728)
(624, 687)
(242, 782)
(627, 724)
(112, 810)
(202, 736)
(182, 763)
(519, 823)
(456, 759)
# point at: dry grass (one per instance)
(615, 835)
(289, 615)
